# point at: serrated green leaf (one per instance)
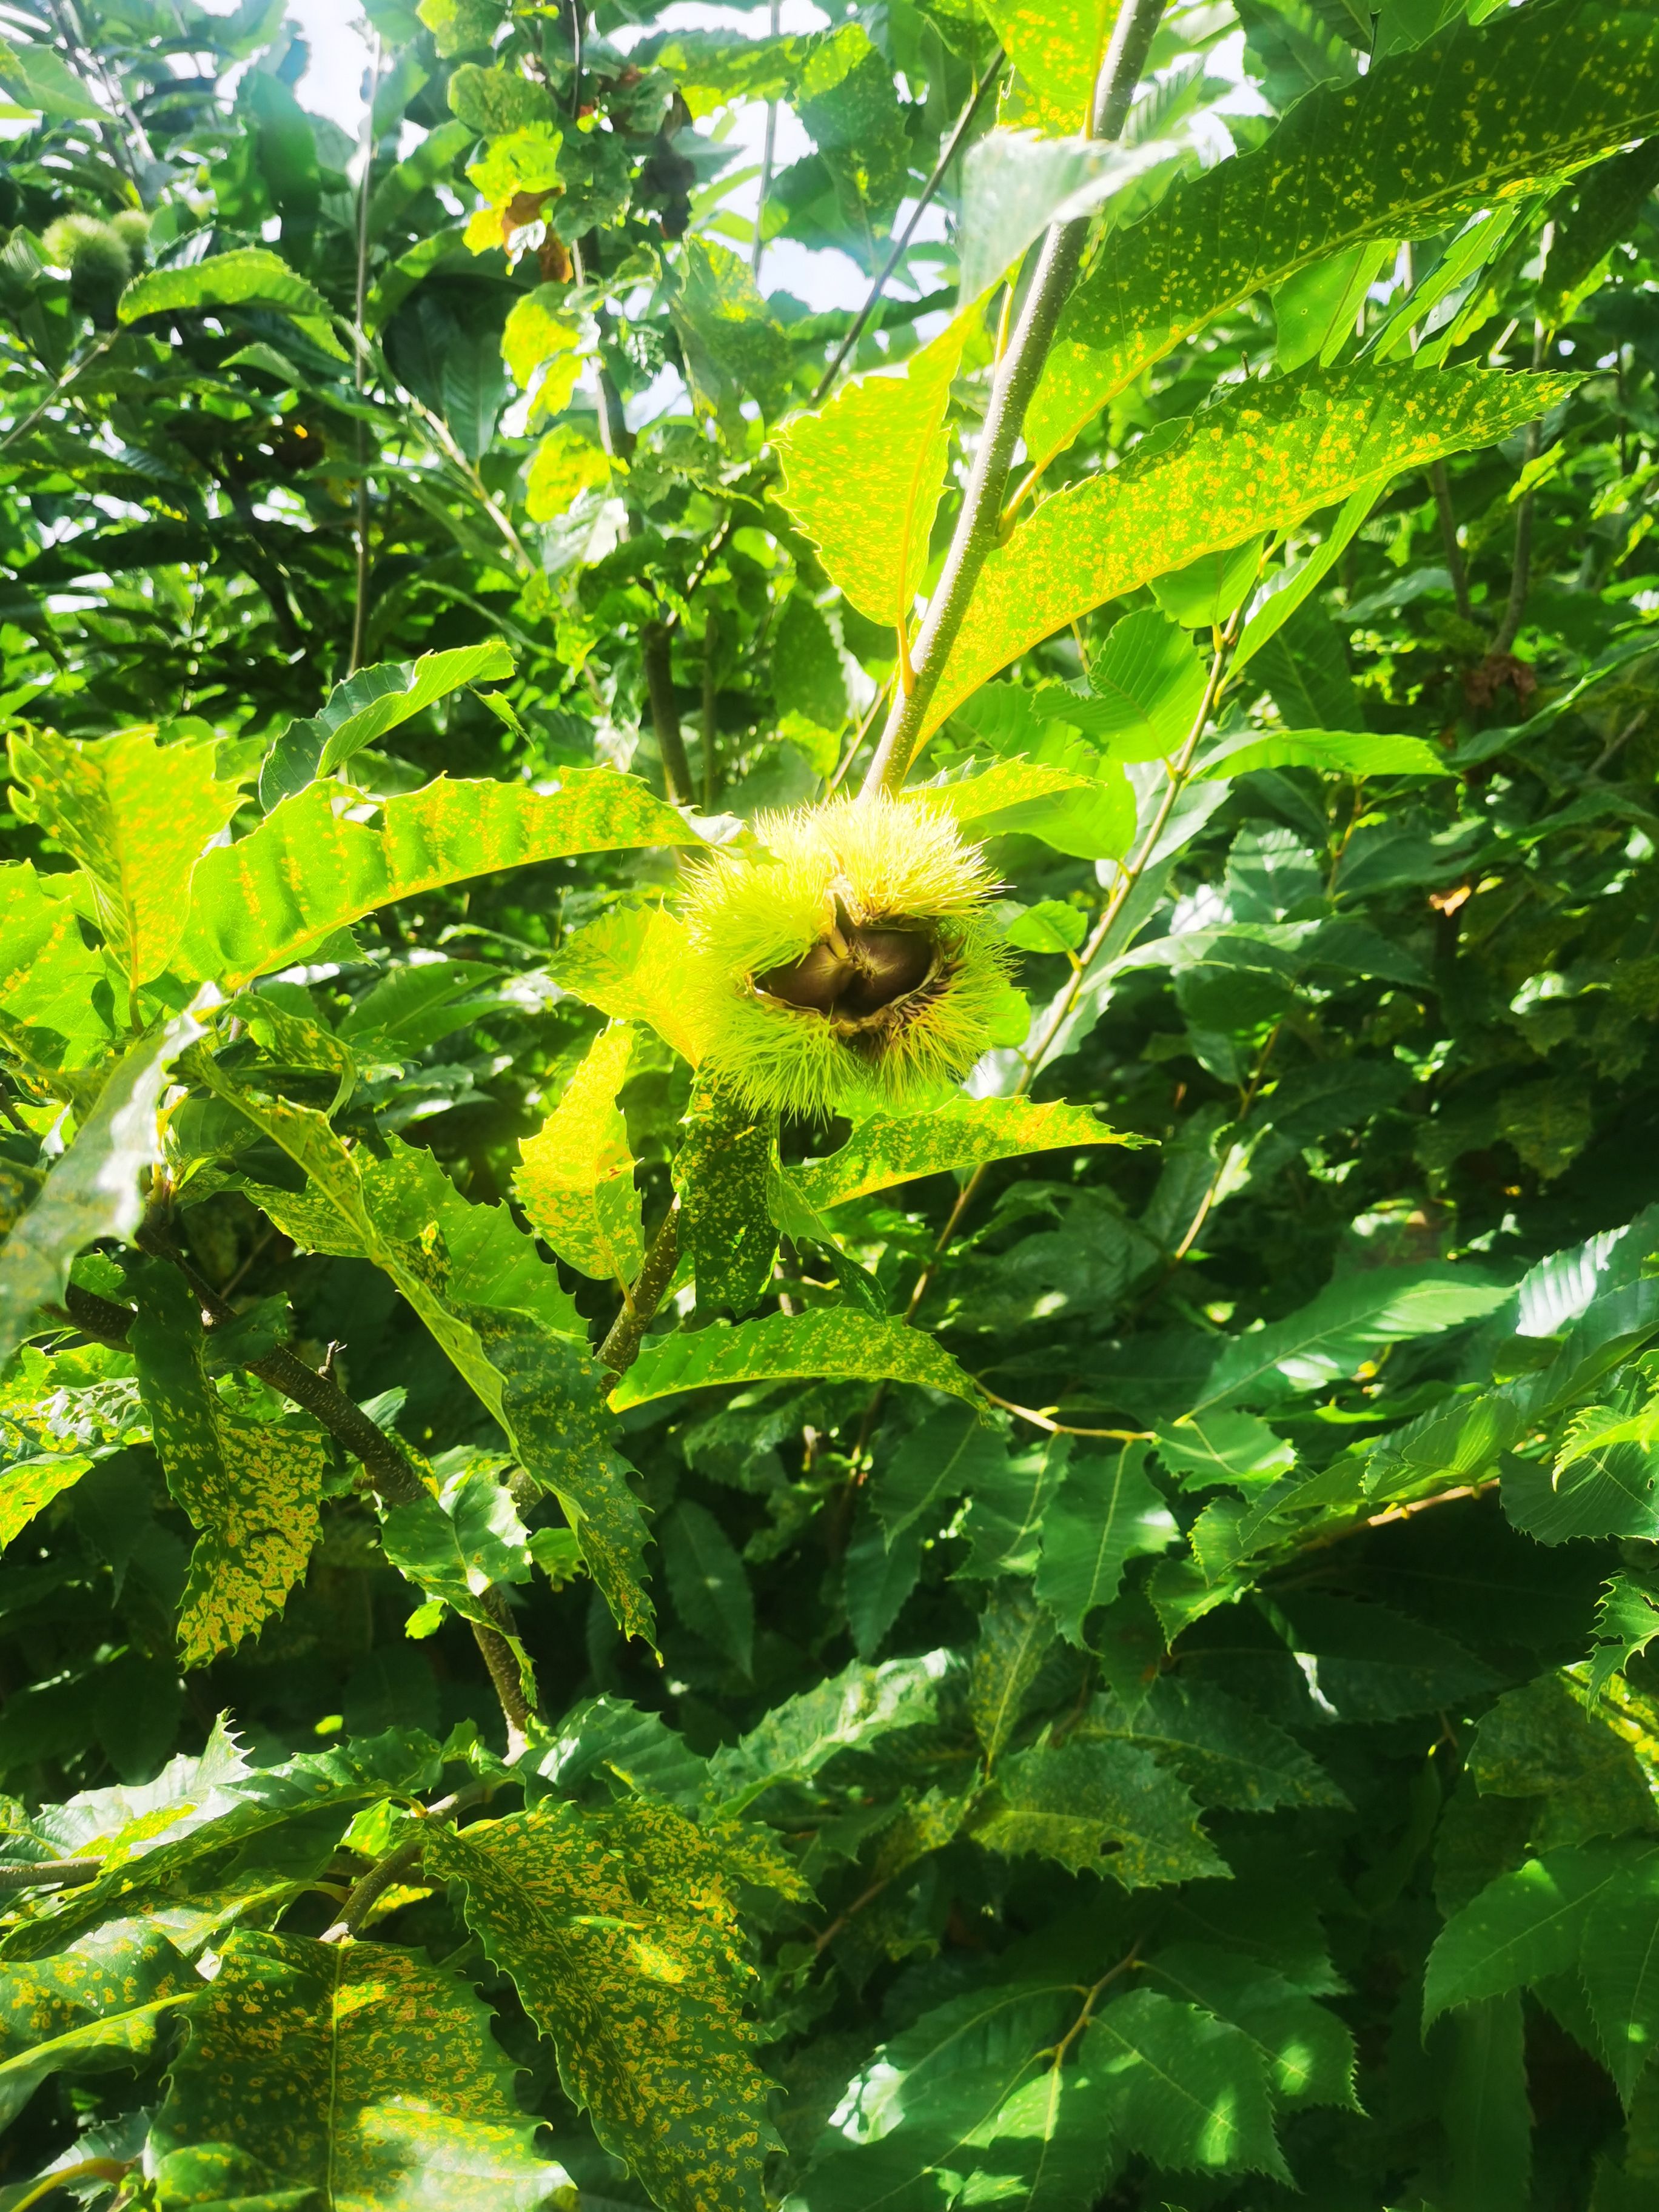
(357, 2070)
(965, 1133)
(247, 276)
(863, 476)
(1005, 1511)
(1626, 1622)
(848, 1712)
(1106, 1512)
(1258, 461)
(1526, 1925)
(155, 1840)
(101, 2003)
(1186, 2091)
(1332, 752)
(1099, 1808)
(832, 1344)
(723, 1173)
(1224, 1751)
(497, 1311)
(93, 1191)
(1148, 684)
(455, 1547)
(369, 703)
(951, 1454)
(919, 2116)
(1357, 1314)
(137, 816)
(878, 1577)
(705, 1577)
(1618, 1964)
(1224, 1447)
(1400, 153)
(619, 1931)
(1483, 2104)
(58, 997)
(1008, 792)
(28, 1486)
(1307, 2052)
(575, 1178)
(40, 78)
(1015, 1634)
(309, 870)
(1538, 1741)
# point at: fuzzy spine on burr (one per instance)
(849, 964)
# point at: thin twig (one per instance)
(370, 1887)
(1128, 877)
(92, 353)
(360, 358)
(1440, 483)
(978, 528)
(656, 655)
(758, 248)
(901, 246)
(1062, 1428)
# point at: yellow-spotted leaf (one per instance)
(496, 1310)
(252, 1489)
(620, 1931)
(53, 986)
(625, 964)
(97, 2005)
(1402, 152)
(1270, 455)
(964, 1132)
(835, 1344)
(1056, 46)
(358, 2071)
(137, 816)
(310, 869)
(576, 1179)
(863, 476)
(723, 1173)
(28, 1486)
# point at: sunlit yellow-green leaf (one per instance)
(833, 1343)
(1271, 454)
(137, 815)
(576, 1179)
(863, 476)
(309, 869)
(965, 1133)
(625, 964)
(1399, 152)
(1056, 46)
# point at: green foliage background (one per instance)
(1083, 1646)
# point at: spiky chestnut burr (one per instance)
(851, 962)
